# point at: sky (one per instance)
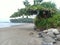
(8, 7)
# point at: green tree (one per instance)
(15, 14)
(34, 9)
(49, 6)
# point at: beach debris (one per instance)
(31, 33)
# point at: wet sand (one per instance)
(16, 35)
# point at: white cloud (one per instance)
(57, 3)
(7, 7)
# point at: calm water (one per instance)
(3, 25)
(6, 23)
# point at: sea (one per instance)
(7, 23)
(4, 24)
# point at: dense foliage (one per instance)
(52, 22)
(35, 8)
(48, 16)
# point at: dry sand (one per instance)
(17, 35)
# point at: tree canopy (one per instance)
(33, 9)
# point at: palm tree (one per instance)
(26, 3)
(36, 2)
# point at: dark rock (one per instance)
(40, 34)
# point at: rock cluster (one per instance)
(50, 36)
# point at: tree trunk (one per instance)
(23, 16)
(27, 17)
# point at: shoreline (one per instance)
(28, 26)
(17, 24)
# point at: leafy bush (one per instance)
(45, 23)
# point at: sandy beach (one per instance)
(20, 35)
(16, 35)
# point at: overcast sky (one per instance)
(8, 7)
